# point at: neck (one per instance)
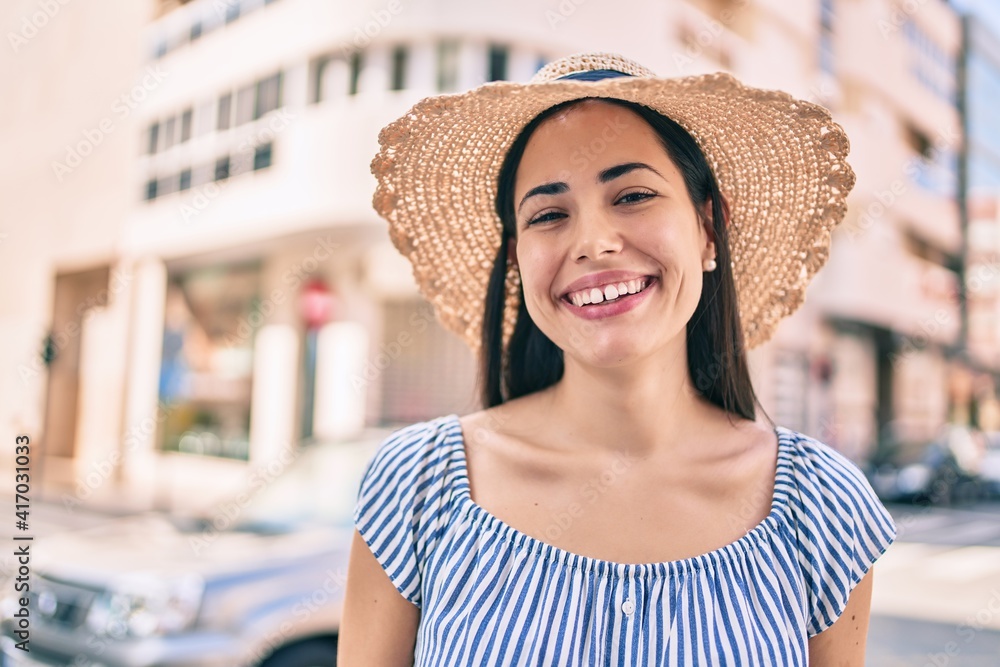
(646, 408)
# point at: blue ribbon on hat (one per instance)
(593, 75)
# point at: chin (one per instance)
(611, 355)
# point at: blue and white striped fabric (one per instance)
(491, 595)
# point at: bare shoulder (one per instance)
(512, 420)
(739, 437)
(742, 466)
(758, 442)
(511, 441)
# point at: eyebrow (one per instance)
(611, 173)
(544, 189)
(606, 176)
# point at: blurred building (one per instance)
(245, 297)
(872, 352)
(983, 285)
(889, 296)
(69, 132)
(982, 71)
(983, 82)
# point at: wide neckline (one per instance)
(736, 548)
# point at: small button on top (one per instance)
(628, 607)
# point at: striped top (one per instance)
(491, 595)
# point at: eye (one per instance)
(546, 217)
(635, 197)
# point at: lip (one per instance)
(603, 278)
(617, 307)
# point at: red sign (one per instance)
(318, 303)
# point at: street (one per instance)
(936, 598)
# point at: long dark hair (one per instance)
(715, 349)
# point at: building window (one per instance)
(319, 71)
(826, 25)
(929, 64)
(204, 120)
(356, 63)
(169, 132)
(262, 157)
(919, 141)
(245, 104)
(331, 78)
(983, 74)
(241, 161)
(222, 168)
(202, 174)
(153, 137)
(210, 21)
(185, 180)
(498, 63)
(151, 189)
(167, 185)
(225, 111)
(447, 66)
(186, 125)
(398, 79)
(268, 95)
(232, 10)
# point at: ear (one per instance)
(707, 226)
(725, 211)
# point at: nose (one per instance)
(594, 234)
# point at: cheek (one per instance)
(665, 248)
(535, 263)
(674, 249)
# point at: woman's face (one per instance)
(596, 192)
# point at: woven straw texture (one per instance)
(780, 163)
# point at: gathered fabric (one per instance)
(489, 594)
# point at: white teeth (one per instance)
(610, 292)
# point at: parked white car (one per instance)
(259, 582)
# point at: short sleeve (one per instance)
(388, 514)
(842, 526)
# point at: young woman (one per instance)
(610, 244)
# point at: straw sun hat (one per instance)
(780, 164)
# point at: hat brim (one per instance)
(779, 162)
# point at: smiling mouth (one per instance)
(647, 280)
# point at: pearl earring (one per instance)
(710, 265)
